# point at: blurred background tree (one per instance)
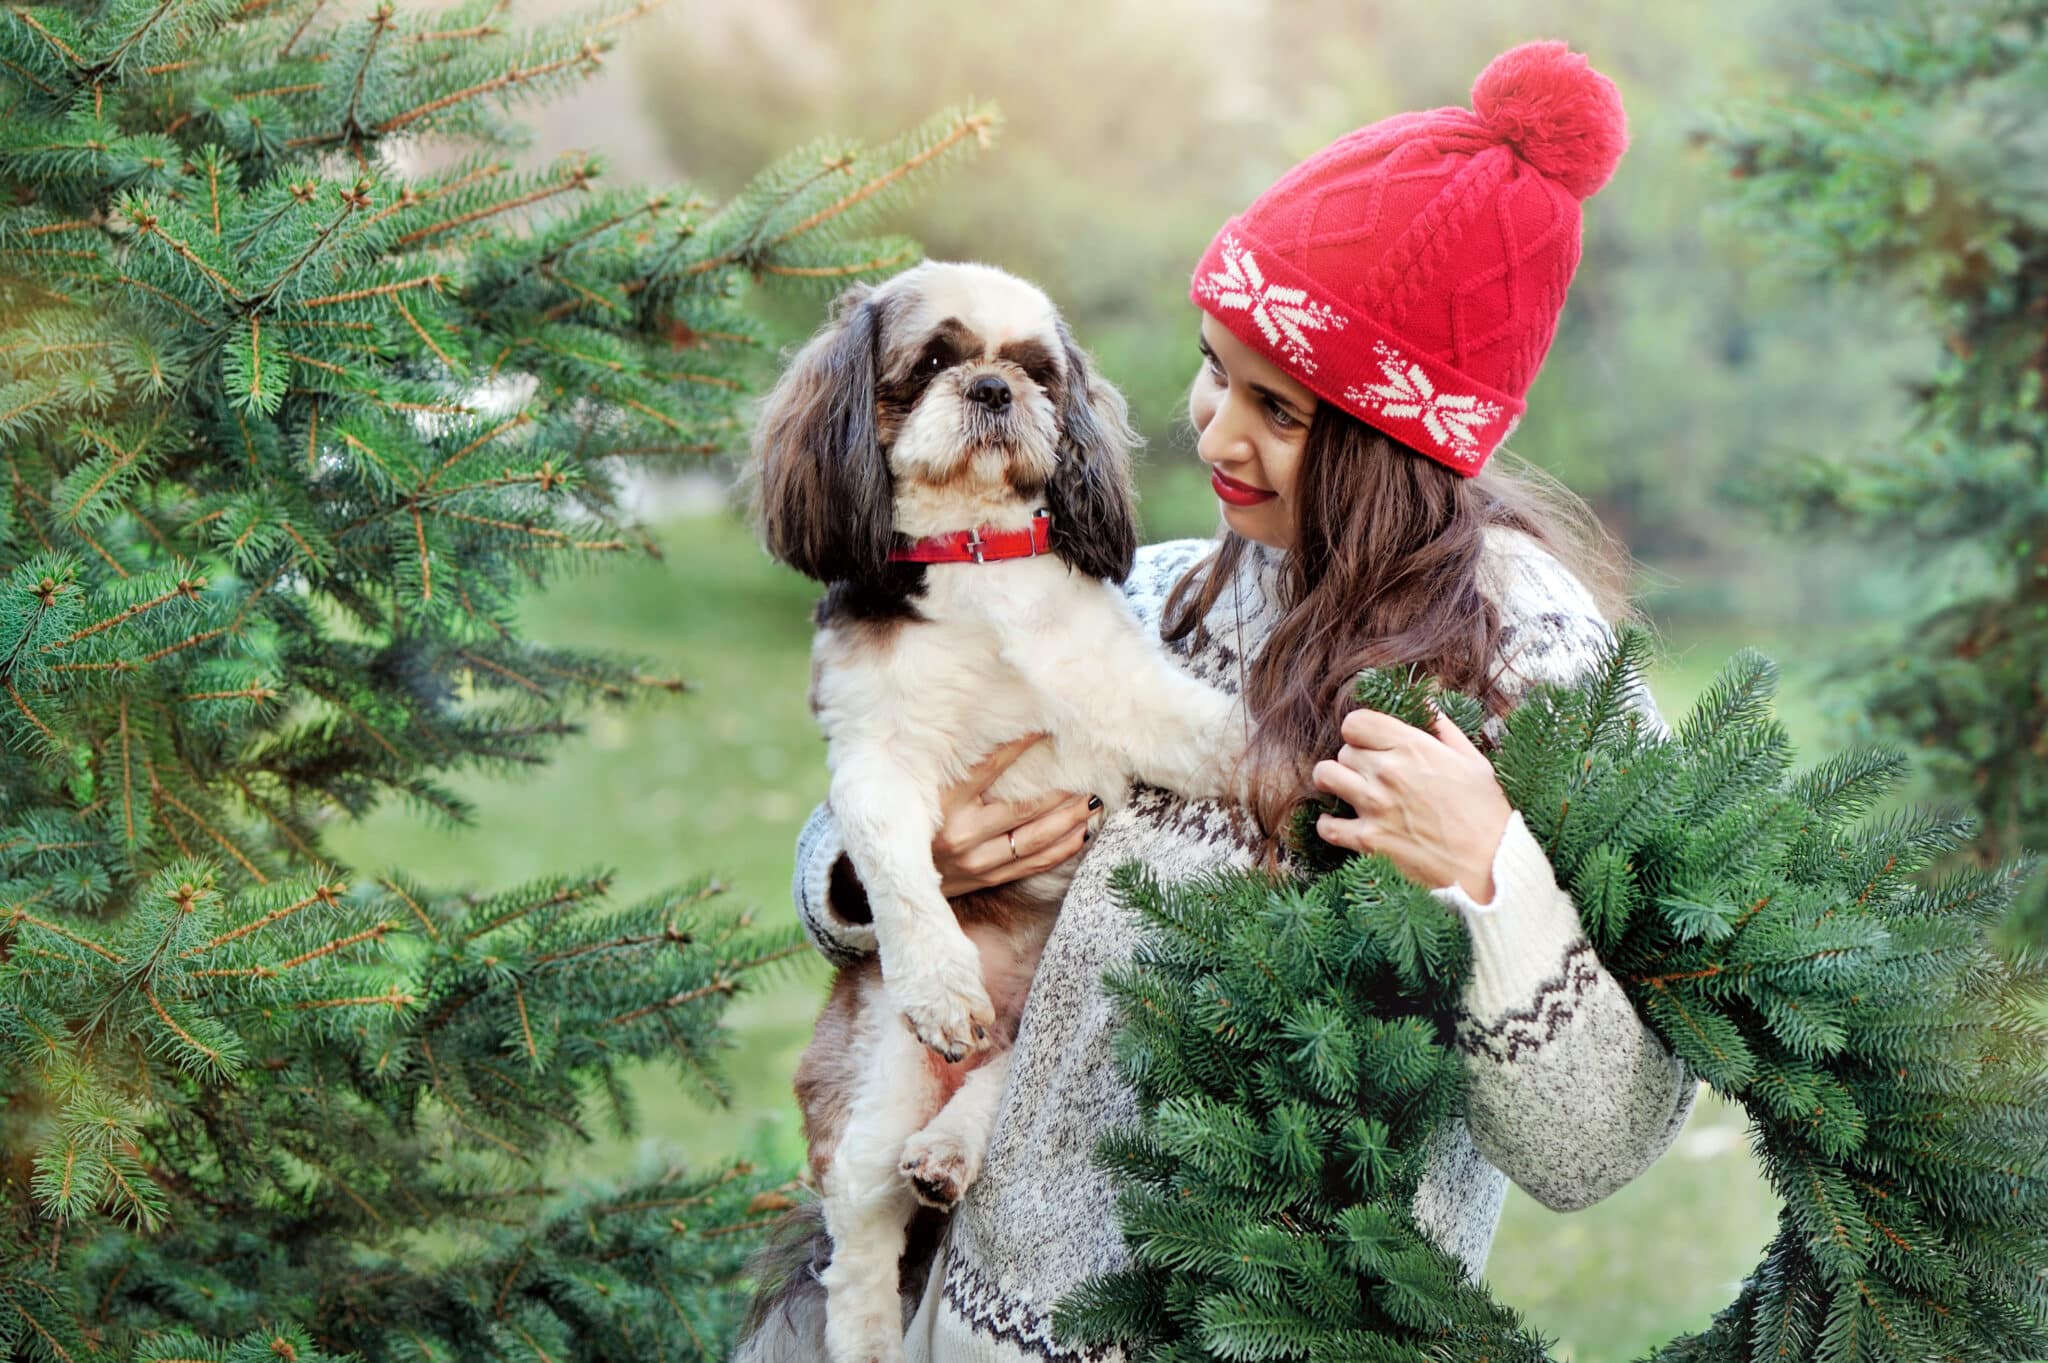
(1916, 163)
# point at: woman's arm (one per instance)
(1570, 1093)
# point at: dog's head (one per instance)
(949, 395)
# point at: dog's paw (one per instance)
(942, 996)
(939, 1168)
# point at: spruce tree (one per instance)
(289, 428)
(1909, 161)
(1290, 1040)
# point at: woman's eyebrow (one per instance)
(1289, 403)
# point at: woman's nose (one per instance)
(1222, 438)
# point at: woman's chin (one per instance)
(1266, 523)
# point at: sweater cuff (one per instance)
(821, 867)
(1519, 941)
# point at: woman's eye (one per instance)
(1281, 416)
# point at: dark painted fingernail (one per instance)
(1095, 802)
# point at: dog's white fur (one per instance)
(993, 651)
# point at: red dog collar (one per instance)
(981, 544)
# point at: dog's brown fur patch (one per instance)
(1009, 928)
(828, 1074)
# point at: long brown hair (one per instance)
(1384, 572)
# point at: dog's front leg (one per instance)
(1105, 678)
(887, 816)
(868, 1206)
(1184, 735)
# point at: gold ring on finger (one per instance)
(1012, 835)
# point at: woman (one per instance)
(1367, 329)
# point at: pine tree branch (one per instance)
(972, 125)
(327, 895)
(30, 715)
(212, 1055)
(150, 225)
(390, 997)
(226, 844)
(430, 281)
(289, 43)
(413, 905)
(62, 49)
(724, 983)
(456, 1109)
(541, 533)
(105, 555)
(478, 660)
(576, 178)
(351, 200)
(124, 458)
(588, 54)
(572, 894)
(840, 271)
(375, 932)
(113, 59)
(513, 423)
(17, 913)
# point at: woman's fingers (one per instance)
(1044, 842)
(1050, 827)
(1030, 836)
(1055, 834)
(1068, 847)
(1335, 778)
(974, 824)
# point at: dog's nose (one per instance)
(990, 391)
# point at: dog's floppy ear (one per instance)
(822, 494)
(1094, 524)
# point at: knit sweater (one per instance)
(1569, 1093)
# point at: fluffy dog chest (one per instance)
(999, 651)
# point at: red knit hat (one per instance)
(1412, 271)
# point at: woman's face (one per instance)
(1251, 422)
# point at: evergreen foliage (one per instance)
(1291, 1045)
(303, 384)
(1912, 162)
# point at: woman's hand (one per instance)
(1428, 801)
(983, 842)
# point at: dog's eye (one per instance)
(934, 362)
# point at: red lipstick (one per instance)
(1236, 493)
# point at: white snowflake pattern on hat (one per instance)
(1450, 418)
(1285, 315)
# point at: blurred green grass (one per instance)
(719, 781)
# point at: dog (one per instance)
(944, 457)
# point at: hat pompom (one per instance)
(1558, 113)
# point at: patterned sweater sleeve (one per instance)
(1570, 1093)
